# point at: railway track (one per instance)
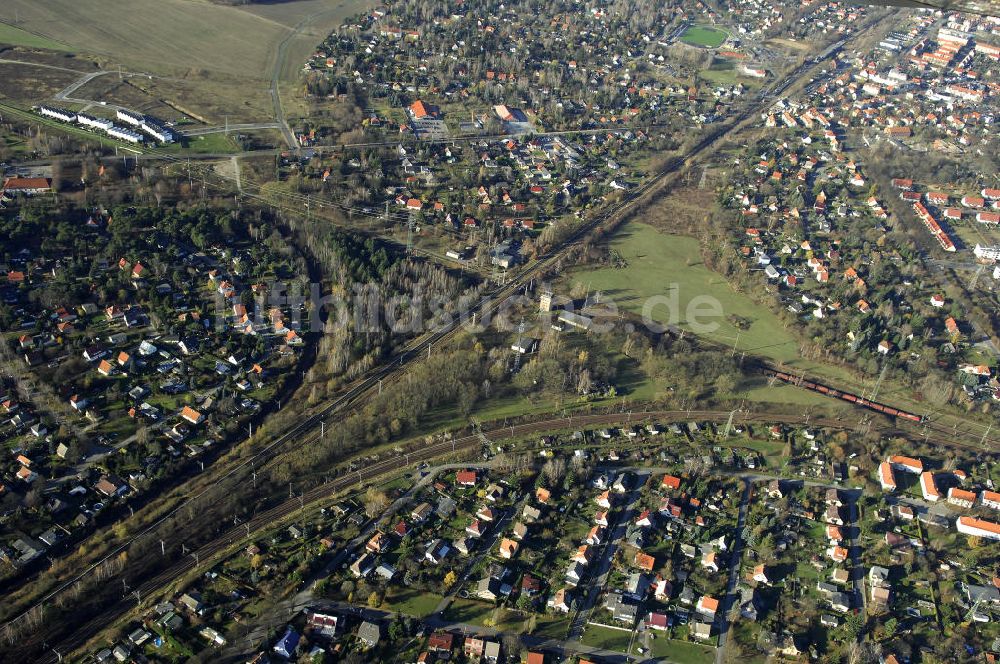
(208, 554)
(305, 430)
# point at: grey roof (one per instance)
(370, 632)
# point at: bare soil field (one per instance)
(26, 84)
(51, 59)
(127, 92)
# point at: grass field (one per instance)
(412, 602)
(725, 72)
(669, 266)
(704, 36)
(783, 393)
(14, 36)
(207, 144)
(606, 638)
(683, 652)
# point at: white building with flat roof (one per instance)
(126, 135)
(986, 252)
(94, 123)
(130, 117)
(57, 113)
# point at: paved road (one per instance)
(223, 129)
(536, 643)
(735, 561)
(306, 595)
(484, 546)
(281, 54)
(601, 567)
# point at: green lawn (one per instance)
(783, 393)
(606, 638)
(682, 652)
(469, 611)
(412, 602)
(553, 627)
(771, 449)
(18, 37)
(724, 72)
(705, 36)
(668, 267)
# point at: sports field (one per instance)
(704, 36)
(669, 267)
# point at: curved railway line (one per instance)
(206, 554)
(307, 430)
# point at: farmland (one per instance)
(170, 36)
(212, 71)
(15, 36)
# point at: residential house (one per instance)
(370, 633)
(707, 606)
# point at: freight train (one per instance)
(845, 396)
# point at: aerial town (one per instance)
(523, 332)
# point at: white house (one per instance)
(968, 525)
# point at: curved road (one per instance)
(206, 555)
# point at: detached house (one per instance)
(191, 415)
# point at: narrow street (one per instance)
(601, 567)
(729, 601)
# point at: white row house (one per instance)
(130, 117)
(125, 134)
(57, 113)
(96, 123)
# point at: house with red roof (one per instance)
(961, 497)
(671, 482)
(707, 605)
(885, 476)
(929, 488)
(968, 525)
(420, 110)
